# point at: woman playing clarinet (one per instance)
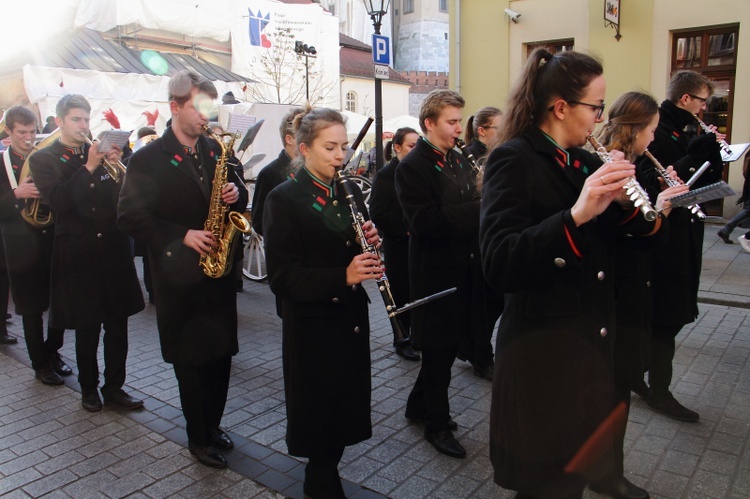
(316, 268)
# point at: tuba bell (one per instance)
(37, 212)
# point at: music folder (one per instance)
(738, 150)
(707, 193)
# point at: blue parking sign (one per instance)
(381, 50)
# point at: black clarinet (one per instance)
(358, 221)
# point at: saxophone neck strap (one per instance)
(9, 169)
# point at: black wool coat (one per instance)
(162, 198)
(269, 177)
(553, 365)
(326, 352)
(441, 209)
(387, 215)
(677, 264)
(28, 250)
(93, 275)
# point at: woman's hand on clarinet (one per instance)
(600, 189)
(663, 204)
(371, 234)
(363, 267)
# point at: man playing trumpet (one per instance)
(28, 251)
(93, 279)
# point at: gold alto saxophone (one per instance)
(222, 223)
(632, 188)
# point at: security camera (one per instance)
(513, 15)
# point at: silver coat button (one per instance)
(354, 287)
(603, 332)
(335, 300)
(356, 329)
(348, 243)
(335, 202)
(99, 235)
(169, 253)
(560, 262)
(648, 284)
(600, 275)
(92, 185)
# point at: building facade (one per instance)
(488, 50)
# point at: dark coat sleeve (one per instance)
(385, 209)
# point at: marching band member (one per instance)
(437, 191)
(630, 128)
(387, 214)
(481, 130)
(28, 251)
(277, 170)
(93, 278)
(548, 211)
(165, 202)
(316, 269)
(677, 264)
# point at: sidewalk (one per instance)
(50, 446)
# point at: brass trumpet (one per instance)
(116, 170)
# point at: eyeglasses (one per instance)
(599, 109)
(703, 101)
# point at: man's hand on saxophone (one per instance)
(230, 193)
(202, 241)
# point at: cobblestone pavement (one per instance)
(49, 446)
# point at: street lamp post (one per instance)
(304, 50)
(376, 9)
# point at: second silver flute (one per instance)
(633, 189)
(694, 208)
(723, 143)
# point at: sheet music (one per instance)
(111, 138)
(738, 150)
(239, 122)
(707, 193)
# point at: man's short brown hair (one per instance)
(69, 102)
(19, 115)
(435, 102)
(688, 82)
(183, 82)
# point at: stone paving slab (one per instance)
(115, 454)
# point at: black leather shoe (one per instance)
(222, 440)
(60, 366)
(119, 397)
(619, 488)
(210, 456)
(405, 350)
(48, 376)
(640, 388)
(7, 339)
(724, 237)
(445, 443)
(90, 400)
(452, 425)
(668, 405)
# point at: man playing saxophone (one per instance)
(93, 280)
(165, 202)
(28, 251)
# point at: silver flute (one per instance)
(632, 188)
(694, 208)
(723, 143)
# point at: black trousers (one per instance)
(322, 480)
(662, 354)
(41, 350)
(203, 395)
(428, 399)
(115, 355)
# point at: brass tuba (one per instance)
(224, 226)
(37, 212)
